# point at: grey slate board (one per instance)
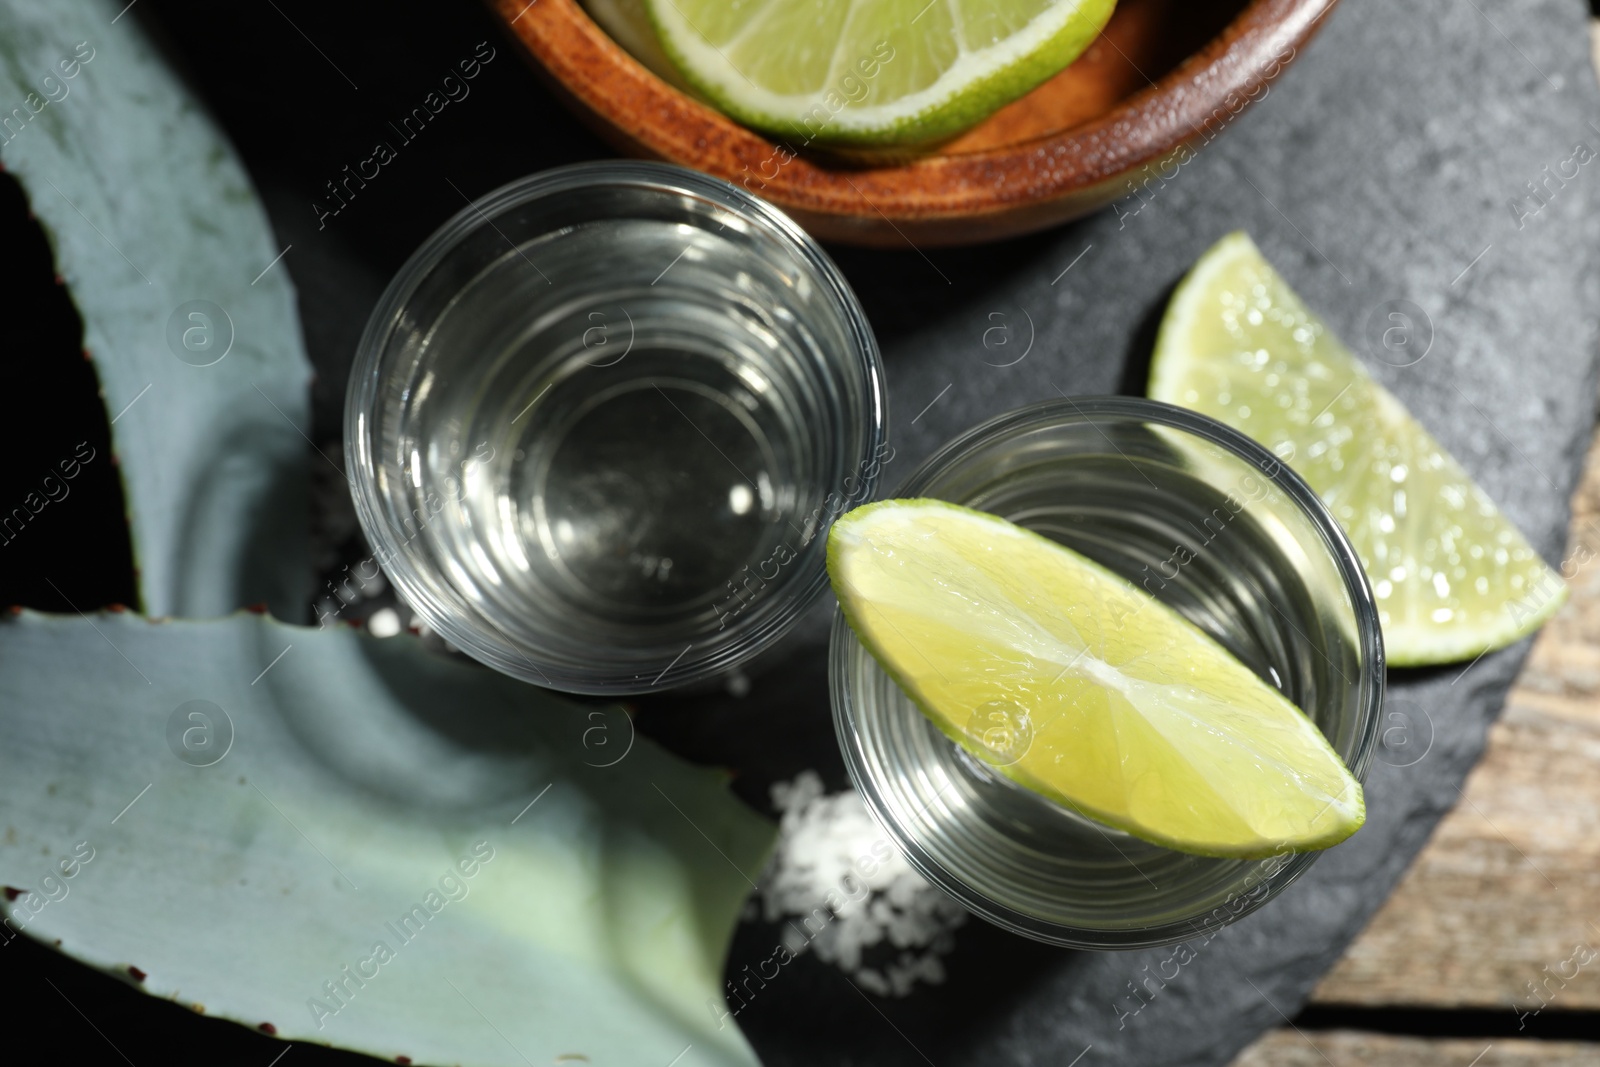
(1379, 168)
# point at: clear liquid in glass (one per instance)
(630, 451)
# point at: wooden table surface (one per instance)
(1502, 907)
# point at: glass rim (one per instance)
(843, 644)
(754, 635)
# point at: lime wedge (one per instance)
(1452, 576)
(1080, 686)
(871, 72)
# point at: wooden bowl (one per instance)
(1165, 77)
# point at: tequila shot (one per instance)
(601, 421)
(1208, 522)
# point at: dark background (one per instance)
(292, 109)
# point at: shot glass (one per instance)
(600, 422)
(1210, 523)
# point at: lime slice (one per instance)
(1080, 686)
(1452, 576)
(871, 72)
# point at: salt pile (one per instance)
(841, 889)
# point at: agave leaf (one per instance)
(341, 787)
(160, 238)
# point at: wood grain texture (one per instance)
(1343, 1048)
